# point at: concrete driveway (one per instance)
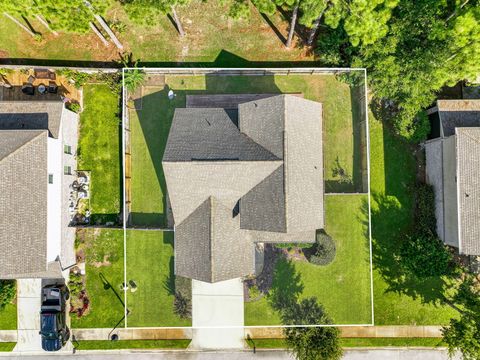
(29, 293)
(217, 315)
(28, 315)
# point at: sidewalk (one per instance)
(255, 333)
(359, 332)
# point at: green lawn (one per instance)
(210, 37)
(150, 265)
(150, 125)
(392, 179)
(8, 317)
(131, 344)
(343, 286)
(356, 342)
(7, 346)
(99, 151)
(106, 302)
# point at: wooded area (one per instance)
(411, 49)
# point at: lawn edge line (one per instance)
(367, 134)
(124, 215)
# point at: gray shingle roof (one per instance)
(34, 115)
(468, 173)
(209, 245)
(458, 113)
(23, 210)
(271, 163)
(209, 134)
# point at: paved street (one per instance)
(393, 354)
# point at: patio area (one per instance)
(37, 85)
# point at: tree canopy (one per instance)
(464, 333)
(422, 46)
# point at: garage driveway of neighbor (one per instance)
(29, 292)
(217, 305)
(28, 315)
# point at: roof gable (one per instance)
(32, 115)
(23, 210)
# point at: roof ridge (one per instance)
(210, 243)
(41, 132)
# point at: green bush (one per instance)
(75, 107)
(323, 252)
(183, 286)
(7, 292)
(424, 256)
(182, 306)
(425, 220)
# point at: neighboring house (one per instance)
(453, 168)
(37, 145)
(236, 177)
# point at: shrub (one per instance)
(323, 252)
(292, 245)
(425, 256)
(7, 292)
(183, 286)
(425, 221)
(182, 306)
(73, 106)
(77, 77)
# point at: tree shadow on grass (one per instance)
(387, 238)
(286, 287)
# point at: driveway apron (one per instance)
(217, 315)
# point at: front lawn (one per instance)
(393, 170)
(8, 317)
(343, 286)
(151, 122)
(104, 278)
(150, 266)
(99, 151)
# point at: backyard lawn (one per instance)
(99, 151)
(343, 286)
(8, 317)
(211, 36)
(150, 125)
(104, 279)
(150, 266)
(392, 178)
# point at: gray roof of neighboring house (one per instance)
(33, 115)
(458, 113)
(269, 169)
(468, 173)
(23, 210)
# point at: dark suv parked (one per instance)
(53, 328)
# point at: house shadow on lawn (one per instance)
(356, 181)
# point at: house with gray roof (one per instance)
(37, 143)
(453, 169)
(252, 173)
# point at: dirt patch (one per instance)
(105, 262)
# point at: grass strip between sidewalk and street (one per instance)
(131, 344)
(7, 346)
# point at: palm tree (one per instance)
(133, 78)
